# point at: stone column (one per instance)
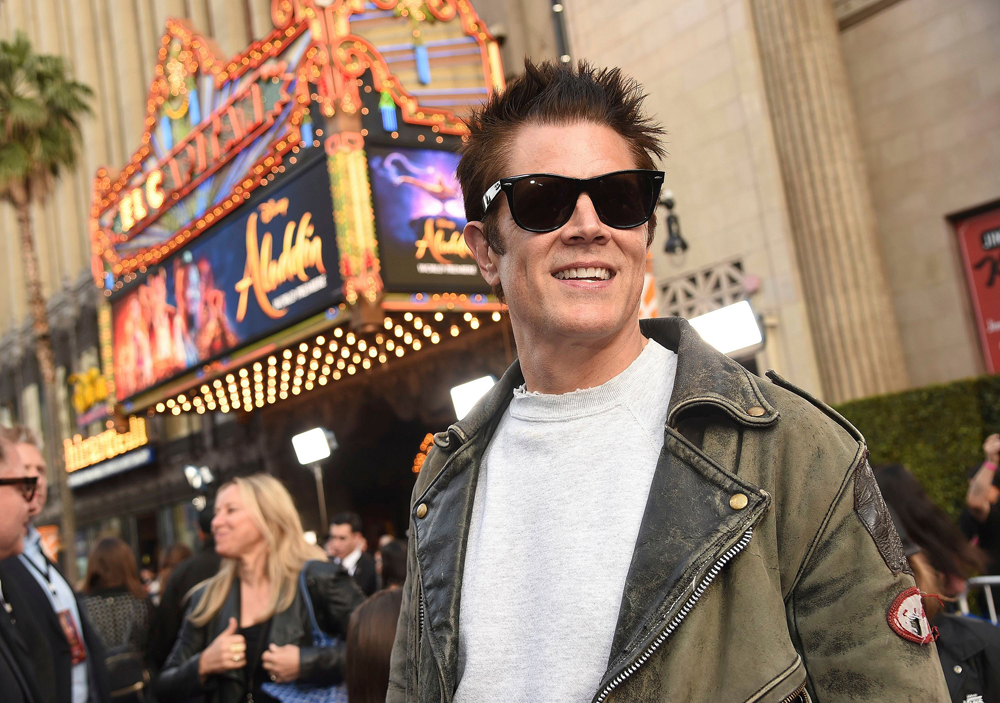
(829, 199)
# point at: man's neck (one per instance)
(560, 365)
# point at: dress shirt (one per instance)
(350, 562)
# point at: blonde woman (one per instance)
(249, 624)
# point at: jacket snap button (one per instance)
(422, 510)
(756, 411)
(738, 501)
(958, 669)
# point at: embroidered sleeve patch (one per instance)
(874, 514)
(908, 620)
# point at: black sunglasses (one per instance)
(543, 202)
(27, 484)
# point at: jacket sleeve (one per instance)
(838, 611)
(335, 595)
(404, 655)
(179, 679)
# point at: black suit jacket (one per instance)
(17, 679)
(38, 626)
(364, 573)
(173, 601)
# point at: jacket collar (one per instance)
(704, 378)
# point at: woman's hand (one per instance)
(282, 663)
(227, 652)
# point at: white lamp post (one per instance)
(311, 448)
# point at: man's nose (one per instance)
(584, 226)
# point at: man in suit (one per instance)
(347, 546)
(17, 678)
(72, 669)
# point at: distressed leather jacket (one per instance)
(334, 595)
(765, 567)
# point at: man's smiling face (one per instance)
(582, 281)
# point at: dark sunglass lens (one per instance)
(623, 200)
(543, 203)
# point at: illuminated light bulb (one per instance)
(418, 323)
(467, 316)
(271, 360)
(439, 316)
(186, 407)
(350, 338)
(390, 345)
(338, 333)
(325, 370)
(408, 316)
(435, 338)
(356, 358)
(336, 375)
(407, 337)
(323, 380)
(257, 366)
(362, 345)
(300, 359)
(313, 365)
(351, 370)
(286, 365)
(341, 364)
(171, 403)
(333, 346)
(206, 389)
(260, 403)
(176, 410)
(379, 339)
(382, 358)
(345, 352)
(272, 372)
(303, 347)
(284, 375)
(283, 395)
(497, 316)
(196, 401)
(299, 371)
(428, 331)
(296, 381)
(217, 383)
(474, 323)
(287, 354)
(270, 399)
(321, 340)
(283, 387)
(328, 358)
(311, 376)
(225, 409)
(416, 345)
(160, 407)
(243, 373)
(296, 390)
(388, 323)
(317, 353)
(309, 385)
(367, 364)
(454, 330)
(372, 352)
(398, 331)
(200, 409)
(182, 398)
(399, 351)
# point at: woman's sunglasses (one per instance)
(27, 485)
(542, 202)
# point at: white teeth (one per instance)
(601, 274)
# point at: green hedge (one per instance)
(937, 432)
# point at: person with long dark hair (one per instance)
(369, 646)
(942, 559)
(250, 625)
(392, 563)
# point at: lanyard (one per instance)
(47, 575)
(5, 604)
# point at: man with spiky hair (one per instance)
(629, 515)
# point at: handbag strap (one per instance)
(307, 597)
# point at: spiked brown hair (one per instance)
(551, 93)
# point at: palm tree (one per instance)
(40, 111)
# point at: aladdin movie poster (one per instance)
(979, 242)
(419, 218)
(265, 266)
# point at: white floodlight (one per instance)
(465, 396)
(193, 476)
(314, 445)
(310, 537)
(730, 329)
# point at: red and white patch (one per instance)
(908, 620)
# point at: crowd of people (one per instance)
(255, 614)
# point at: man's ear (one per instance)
(475, 239)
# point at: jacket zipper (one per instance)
(800, 691)
(679, 617)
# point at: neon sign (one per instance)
(80, 453)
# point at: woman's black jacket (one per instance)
(334, 596)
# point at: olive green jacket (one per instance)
(764, 569)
